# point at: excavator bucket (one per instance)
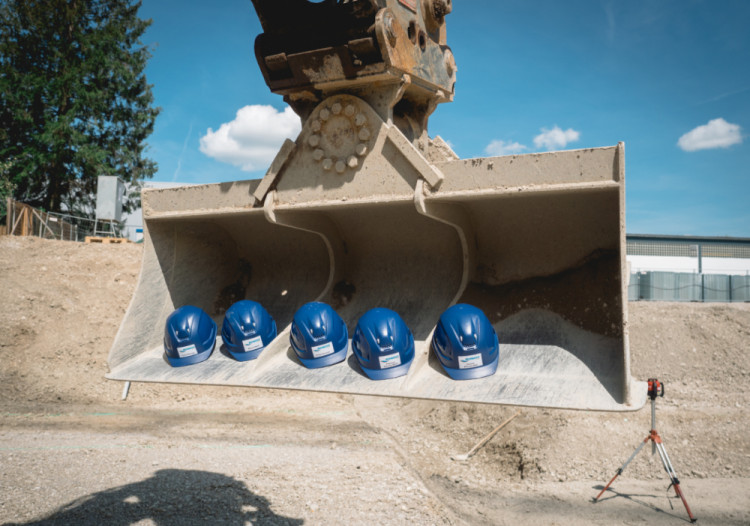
(365, 210)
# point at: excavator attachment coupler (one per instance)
(364, 210)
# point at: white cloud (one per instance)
(498, 147)
(556, 138)
(252, 139)
(718, 133)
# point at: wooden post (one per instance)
(9, 218)
(25, 223)
(16, 220)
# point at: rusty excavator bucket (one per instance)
(365, 210)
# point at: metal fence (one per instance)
(682, 286)
(24, 220)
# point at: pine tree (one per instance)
(74, 100)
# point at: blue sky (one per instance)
(670, 78)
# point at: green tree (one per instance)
(74, 100)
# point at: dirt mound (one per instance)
(61, 302)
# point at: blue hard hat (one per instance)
(466, 343)
(319, 336)
(247, 329)
(383, 344)
(189, 336)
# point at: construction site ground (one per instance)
(72, 452)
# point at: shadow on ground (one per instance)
(171, 497)
(676, 509)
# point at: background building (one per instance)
(688, 268)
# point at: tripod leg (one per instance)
(682, 497)
(622, 468)
(672, 475)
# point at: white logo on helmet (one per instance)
(319, 351)
(252, 344)
(188, 350)
(470, 361)
(390, 360)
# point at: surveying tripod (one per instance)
(655, 388)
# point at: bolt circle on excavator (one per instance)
(340, 134)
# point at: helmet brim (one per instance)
(324, 361)
(244, 356)
(190, 360)
(474, 373)
(387, 374)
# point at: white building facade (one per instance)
(688, 268)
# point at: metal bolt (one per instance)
(318, 154)
(361, 149)
(327, 164)
(313, 140)
(336, 108)
(360, 120)
(340, 167)
(325, 114)
(390, 30)
(350, 110)
(352, 162)
(315, 126)
(364, 134)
